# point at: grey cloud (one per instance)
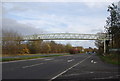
(19, 9)
(24, 29)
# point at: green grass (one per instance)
(111, 58)
(23, 58)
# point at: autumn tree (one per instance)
(10, 42)
(34, 46)
(68, 47)
(24, 49)
(45, 47)
(53, 46)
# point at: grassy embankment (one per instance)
(32, 57)
(111, 58)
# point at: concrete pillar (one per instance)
(104, 46)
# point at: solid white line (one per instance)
(32, 65)
(68, 69)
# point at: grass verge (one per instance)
(111, 58)
(24, 58)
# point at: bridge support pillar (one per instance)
(104, 46)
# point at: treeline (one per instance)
(47, 47)
(12, 45)
(113, 30)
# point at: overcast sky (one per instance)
(30, 18)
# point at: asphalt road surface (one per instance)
(78, 67)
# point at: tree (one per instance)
(34, 46)
(23, 49)
(68, 47)
(113, 25)
(53, 46)
(45, 47)
(10, 42)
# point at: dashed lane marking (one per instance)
(32, 65)
(48, 59)
(70, 60)
(22, 60)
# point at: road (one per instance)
(76, 67)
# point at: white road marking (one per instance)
(48, 59)
(91, 72)
(68, 69)
(22, 60)
(32, 65)
(94, 62)
(70, 60)
(105, 77)
(118, 75)
(91, 61)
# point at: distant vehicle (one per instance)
(88, 52)
(74, 51)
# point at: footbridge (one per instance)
(67, 36)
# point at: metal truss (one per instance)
(67, 36)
